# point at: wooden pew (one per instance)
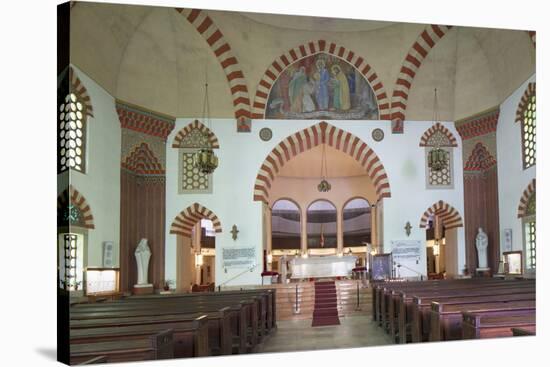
(190, 340)
(157, 346)
(96, 360)
(243, 316)
(524, 331)
(219, 325)
(415, 314)
(446, 319)
(496, 324)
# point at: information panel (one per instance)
(239, 257)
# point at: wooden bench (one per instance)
(190, 339)
(157, 346)
(524, 331)
(415, 314)
(446, 319)
(495, 325)
(96, 360)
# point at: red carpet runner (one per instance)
(325, 312)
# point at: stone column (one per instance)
(303, 223)
(339, 231)
(373, 229)
(268, 230)
(197, 248)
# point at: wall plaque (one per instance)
(240, 257)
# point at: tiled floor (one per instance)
(354, 331)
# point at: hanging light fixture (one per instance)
(437, 157)
(205, 159)
(324, 185)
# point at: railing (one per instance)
(236, 276)
(398, 265)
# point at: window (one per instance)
(528, 131)
(285, 225)
(191, 179)
(441, 179)
(530, 237)
(321, 225)
(72, 135)
(357, 223)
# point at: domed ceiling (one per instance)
(156, 58)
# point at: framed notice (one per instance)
(239, 257)
(382, 267)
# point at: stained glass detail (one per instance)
(71, 135)
(529, 135)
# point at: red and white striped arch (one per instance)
(183, 223)
(78, 88)
(438, 127)
(75, 198)
(195, 125)
(416, 55)
(530, 91)
(530, 190)
(449, 216)
(291, 56)
(311, 137)
(221, 48)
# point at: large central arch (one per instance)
(311, 137)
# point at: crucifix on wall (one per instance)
(408, 228)
(234, 232)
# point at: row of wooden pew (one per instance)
(440, 310)
(171, 326)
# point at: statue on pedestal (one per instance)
(143, 254)
(481, 244)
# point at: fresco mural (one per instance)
(322, 86)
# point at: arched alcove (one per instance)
(321, 225)
(356, 222)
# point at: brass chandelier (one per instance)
(437, 157)
(205, 159)
(324, 185)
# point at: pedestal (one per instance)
(140, 289)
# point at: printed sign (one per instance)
(405, 250)
(241, 257)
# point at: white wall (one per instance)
(100, 185)
(512, 178)
(242, 154)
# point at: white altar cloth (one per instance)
(322, 266)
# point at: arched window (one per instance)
(321, 225)
(285, 225)
(357, 223)
(438, 136)
(529, 131)
(530, 236)
(72, 134)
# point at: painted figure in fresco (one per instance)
(307, 101)
(323, 78)
(295, 89)
(341, 89)
(284, 81)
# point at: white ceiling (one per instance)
(308, 164)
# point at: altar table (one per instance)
(322, 266)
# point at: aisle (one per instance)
(298, 335)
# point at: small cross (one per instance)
(234, 232)
(408, 228)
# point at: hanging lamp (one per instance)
(437, 157)
(324, 185)
(205, 159)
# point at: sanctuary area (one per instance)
(233, 182)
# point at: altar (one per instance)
(322, 266)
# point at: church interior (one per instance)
(232, 182)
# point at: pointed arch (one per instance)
(438, 128)
(142, 161)
(183, 223)
(449, 216)
(530, 190)
(530, 91)
(311, 137)
(231, 67)
(78, 88)
(480, 159)
(179, 140)
(311, 48)
(72, 196)
(412, 62)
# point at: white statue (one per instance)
(481, 245)
(283, 270)
(143, 254)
